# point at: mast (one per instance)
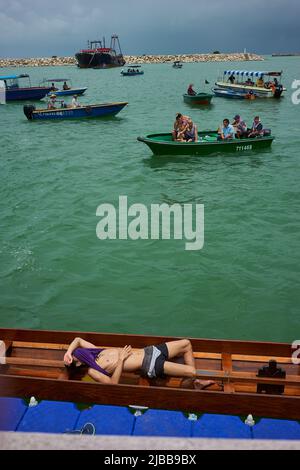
(114, 40)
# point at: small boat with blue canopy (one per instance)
(80, 112)
(66, 89)
(132, 70)
(14, 92)
(261, 83)
(208, 143)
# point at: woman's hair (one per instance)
(178, 115)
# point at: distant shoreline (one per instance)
(142, 59)
(286, 54)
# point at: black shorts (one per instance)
(154, 359)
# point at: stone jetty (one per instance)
(141, 59)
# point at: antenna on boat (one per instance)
(103, 41)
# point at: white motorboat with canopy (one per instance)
(261, 83)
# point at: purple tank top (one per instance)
(88, 356)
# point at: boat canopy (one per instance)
(56, 80)
(13, 77)
(251, 73)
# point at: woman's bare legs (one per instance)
(183, 348)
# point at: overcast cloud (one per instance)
(61, 27)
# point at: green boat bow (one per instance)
(208, 143)
(200, 98)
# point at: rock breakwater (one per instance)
(141, 59)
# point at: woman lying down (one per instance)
(106, 365)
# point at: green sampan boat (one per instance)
(208, 143)
(200, 98)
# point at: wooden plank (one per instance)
(206, 355)
(253, 358)
(272, 406)
(30, 373)
(248, 377)
(26, 344)
(33, 362)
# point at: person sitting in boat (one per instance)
(65, 86)
(53, 87)
(240, 126)
(257, 128)
(191, 134)
(75, 103)
(231, 79)
(260, 83)
(226, 132)
(107, 364)
(191, 91)
(180, 126)
(249, 82)
(52, 102)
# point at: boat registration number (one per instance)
(240, 148)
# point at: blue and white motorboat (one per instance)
(15, 92)
(66, 90)
(80, 112)
(232, 94)
(261, 83)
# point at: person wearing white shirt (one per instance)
(75, 103)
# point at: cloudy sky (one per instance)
(60, 27)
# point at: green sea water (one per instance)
(56, 274)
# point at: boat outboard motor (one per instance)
(28, 110)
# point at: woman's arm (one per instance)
(114, 379)
(76, 343)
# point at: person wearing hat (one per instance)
(240, 126)
(52, 102)
(75, 103)
(190, 90)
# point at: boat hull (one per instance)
(23, 94)
(82, 112)
(73, 91)
(200, 98)
(99, 60)
(230, 94)
(130, 74)
(162, 144)
(33, 366)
